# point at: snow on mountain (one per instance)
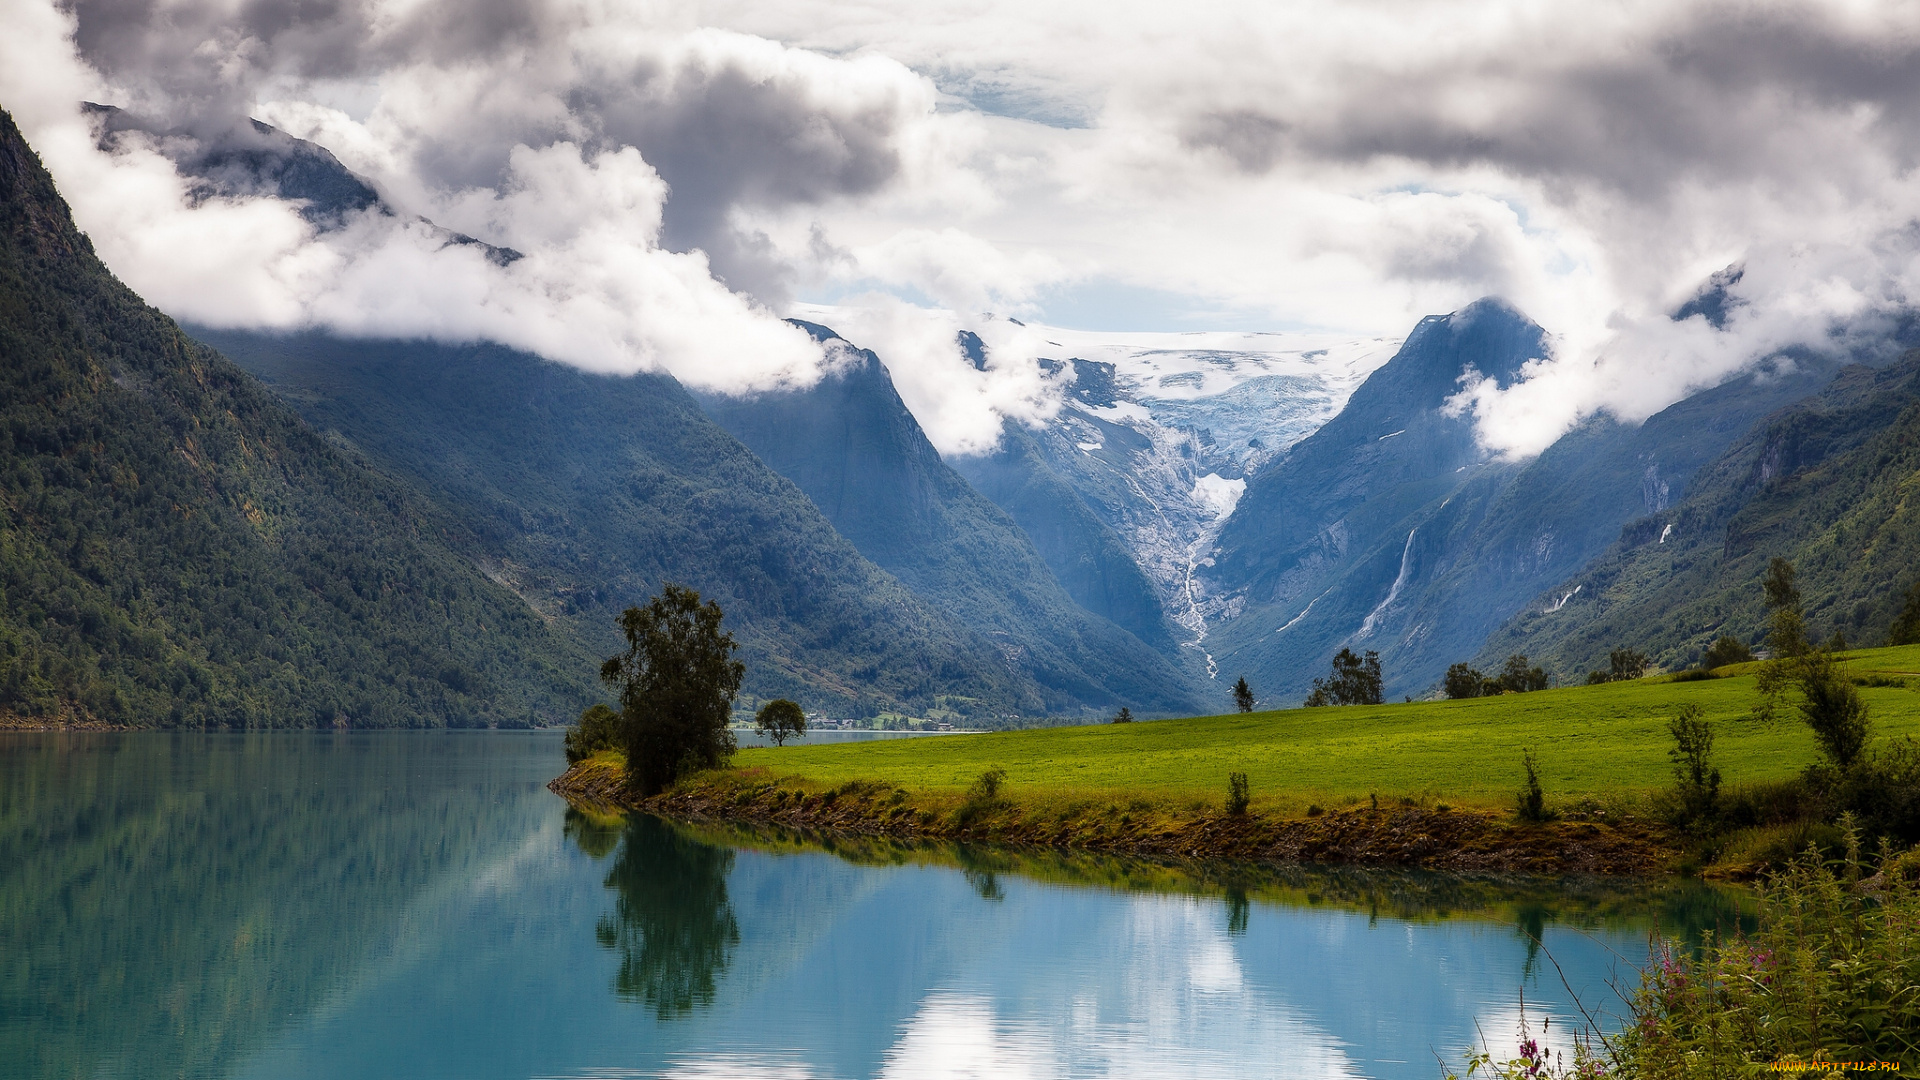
(1159, 432)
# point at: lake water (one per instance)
(355, 905)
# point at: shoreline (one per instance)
(1453, 840)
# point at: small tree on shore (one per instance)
(1355, 680)
(1243, 695)
(677, 683)
(780, 720)
(1532, 800)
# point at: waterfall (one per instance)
(1406, 568)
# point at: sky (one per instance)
(678, 175)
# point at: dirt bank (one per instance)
(1432, 838)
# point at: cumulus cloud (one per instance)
(677, 173)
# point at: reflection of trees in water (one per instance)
(671, 923)
(596, 835)
(981, 867)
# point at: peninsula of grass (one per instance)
(1323, 781)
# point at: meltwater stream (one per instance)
(284, 906)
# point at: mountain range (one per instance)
(218, 527)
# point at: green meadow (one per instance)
(1591, 741)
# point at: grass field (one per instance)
(1601, 741)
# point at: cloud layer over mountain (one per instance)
(676, 173)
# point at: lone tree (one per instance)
(1124, 716)
(1355, 680)
(677, 683)
(1243, 695)
(780, 720)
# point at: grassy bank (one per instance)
(1591, 741)
(1426, 783)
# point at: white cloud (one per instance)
(1348, 167)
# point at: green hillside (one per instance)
(179, 548)
(1826, 483)
(1591, 741)
(585, 493)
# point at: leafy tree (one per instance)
(1787, 624)
(1243, 695)
(597, 729)
(1518, 678)
(1124, 716)
(677, 683)
(780, 720)
(1464, 682)
(1833, 709)
(1692, 757)
(1355, 680)
(1726, 650)
(1625, 665)
(1906, 628)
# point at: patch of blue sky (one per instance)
(1108, 304)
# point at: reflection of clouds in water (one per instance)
(1168, 998)
(736, 1067)
(954, 1036)
(1553, 1028)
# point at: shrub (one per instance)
(1237, 797)
(1698, 787)
(597, 729)
(982, 797)
(1828, 973)
(1532, 800)
(1124, 716)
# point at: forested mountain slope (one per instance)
(1426, 549)
(1826, 482)
(851, 444)
(177, 547)
(585, 493)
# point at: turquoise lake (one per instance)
(353, 905)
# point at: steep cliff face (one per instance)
(178, 548)
(851, 444)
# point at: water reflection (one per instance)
(671, 923)
(318, 907)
